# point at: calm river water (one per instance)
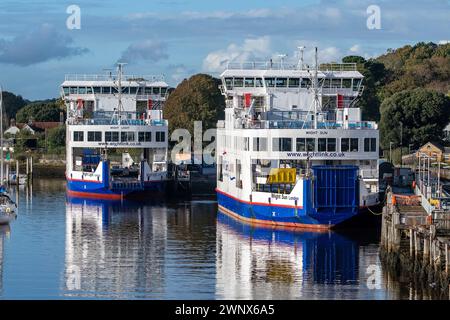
(62, 248)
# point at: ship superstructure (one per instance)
(116, 135)
(293, 150)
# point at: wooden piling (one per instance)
(411, 242)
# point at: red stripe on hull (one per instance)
(94, 195)
(274, 224)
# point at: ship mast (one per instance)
(316, 90)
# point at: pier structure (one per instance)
(415, 234)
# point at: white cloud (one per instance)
(251, 49)
(147, 50)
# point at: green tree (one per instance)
(374, 74)
(56, 138)
(11, 104)
(41, 111)
(423, 114)
(195, 99)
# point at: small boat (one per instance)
(13, 178)
(7, 208)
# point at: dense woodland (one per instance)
(407, 88)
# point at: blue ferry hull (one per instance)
(332, 199)
(97, 190)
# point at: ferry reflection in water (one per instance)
(113, 249)
(263, 263)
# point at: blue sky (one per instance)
(178, 38)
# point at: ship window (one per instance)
(238, 174)
(356, 83)
(331, 144)
(259, 144)
(229, 83)
(354, 144)
(73, 90)
(326, 83)
(249, 82)
(147, 90)
(111, 136)
(370, 144)
(259, 82)
(78, 136)
(220, 167)
(94, 136)
(133, 90)
(160, 136)
(294, 82)
(66, 90)
(127, 136)
(306, 83)
(125, 90)
(238, 82)
(97, 89)
(281, 82)
(106, 90)
(305, 144)
(336, 83)
(156, 90)
(346, 83)
(345, 144)
(82, 90)
(322, 144)
(163, 91)
(89, 90)
(114, 90)
(270, 82)
(282, 144)
(145, 136)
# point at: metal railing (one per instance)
(265, 65)
(112, 77)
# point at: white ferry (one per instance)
(116, 136)
(293, 150)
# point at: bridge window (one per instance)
(133, 90)
(249, 82)
(95, 136)
(73, 90)
(270, 82)
(78, 136)
(111, 136)
(281, 82)
(160, 136)
(156, 90)
(82, 90)
(259, 82)
(306, 83)
(282, 144)
(106, 90)
(356, 83)
(354, 144)
(147, 90)
(66, 90)
(259, 144)
(97, 90)
(238, 82)
(346, 83)
(89, 90)
(114, 90)
(229, 83)
(294, 82)
(145, 136)
(336, 83)
(326, 83)
(163, 91)
(370, 144)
